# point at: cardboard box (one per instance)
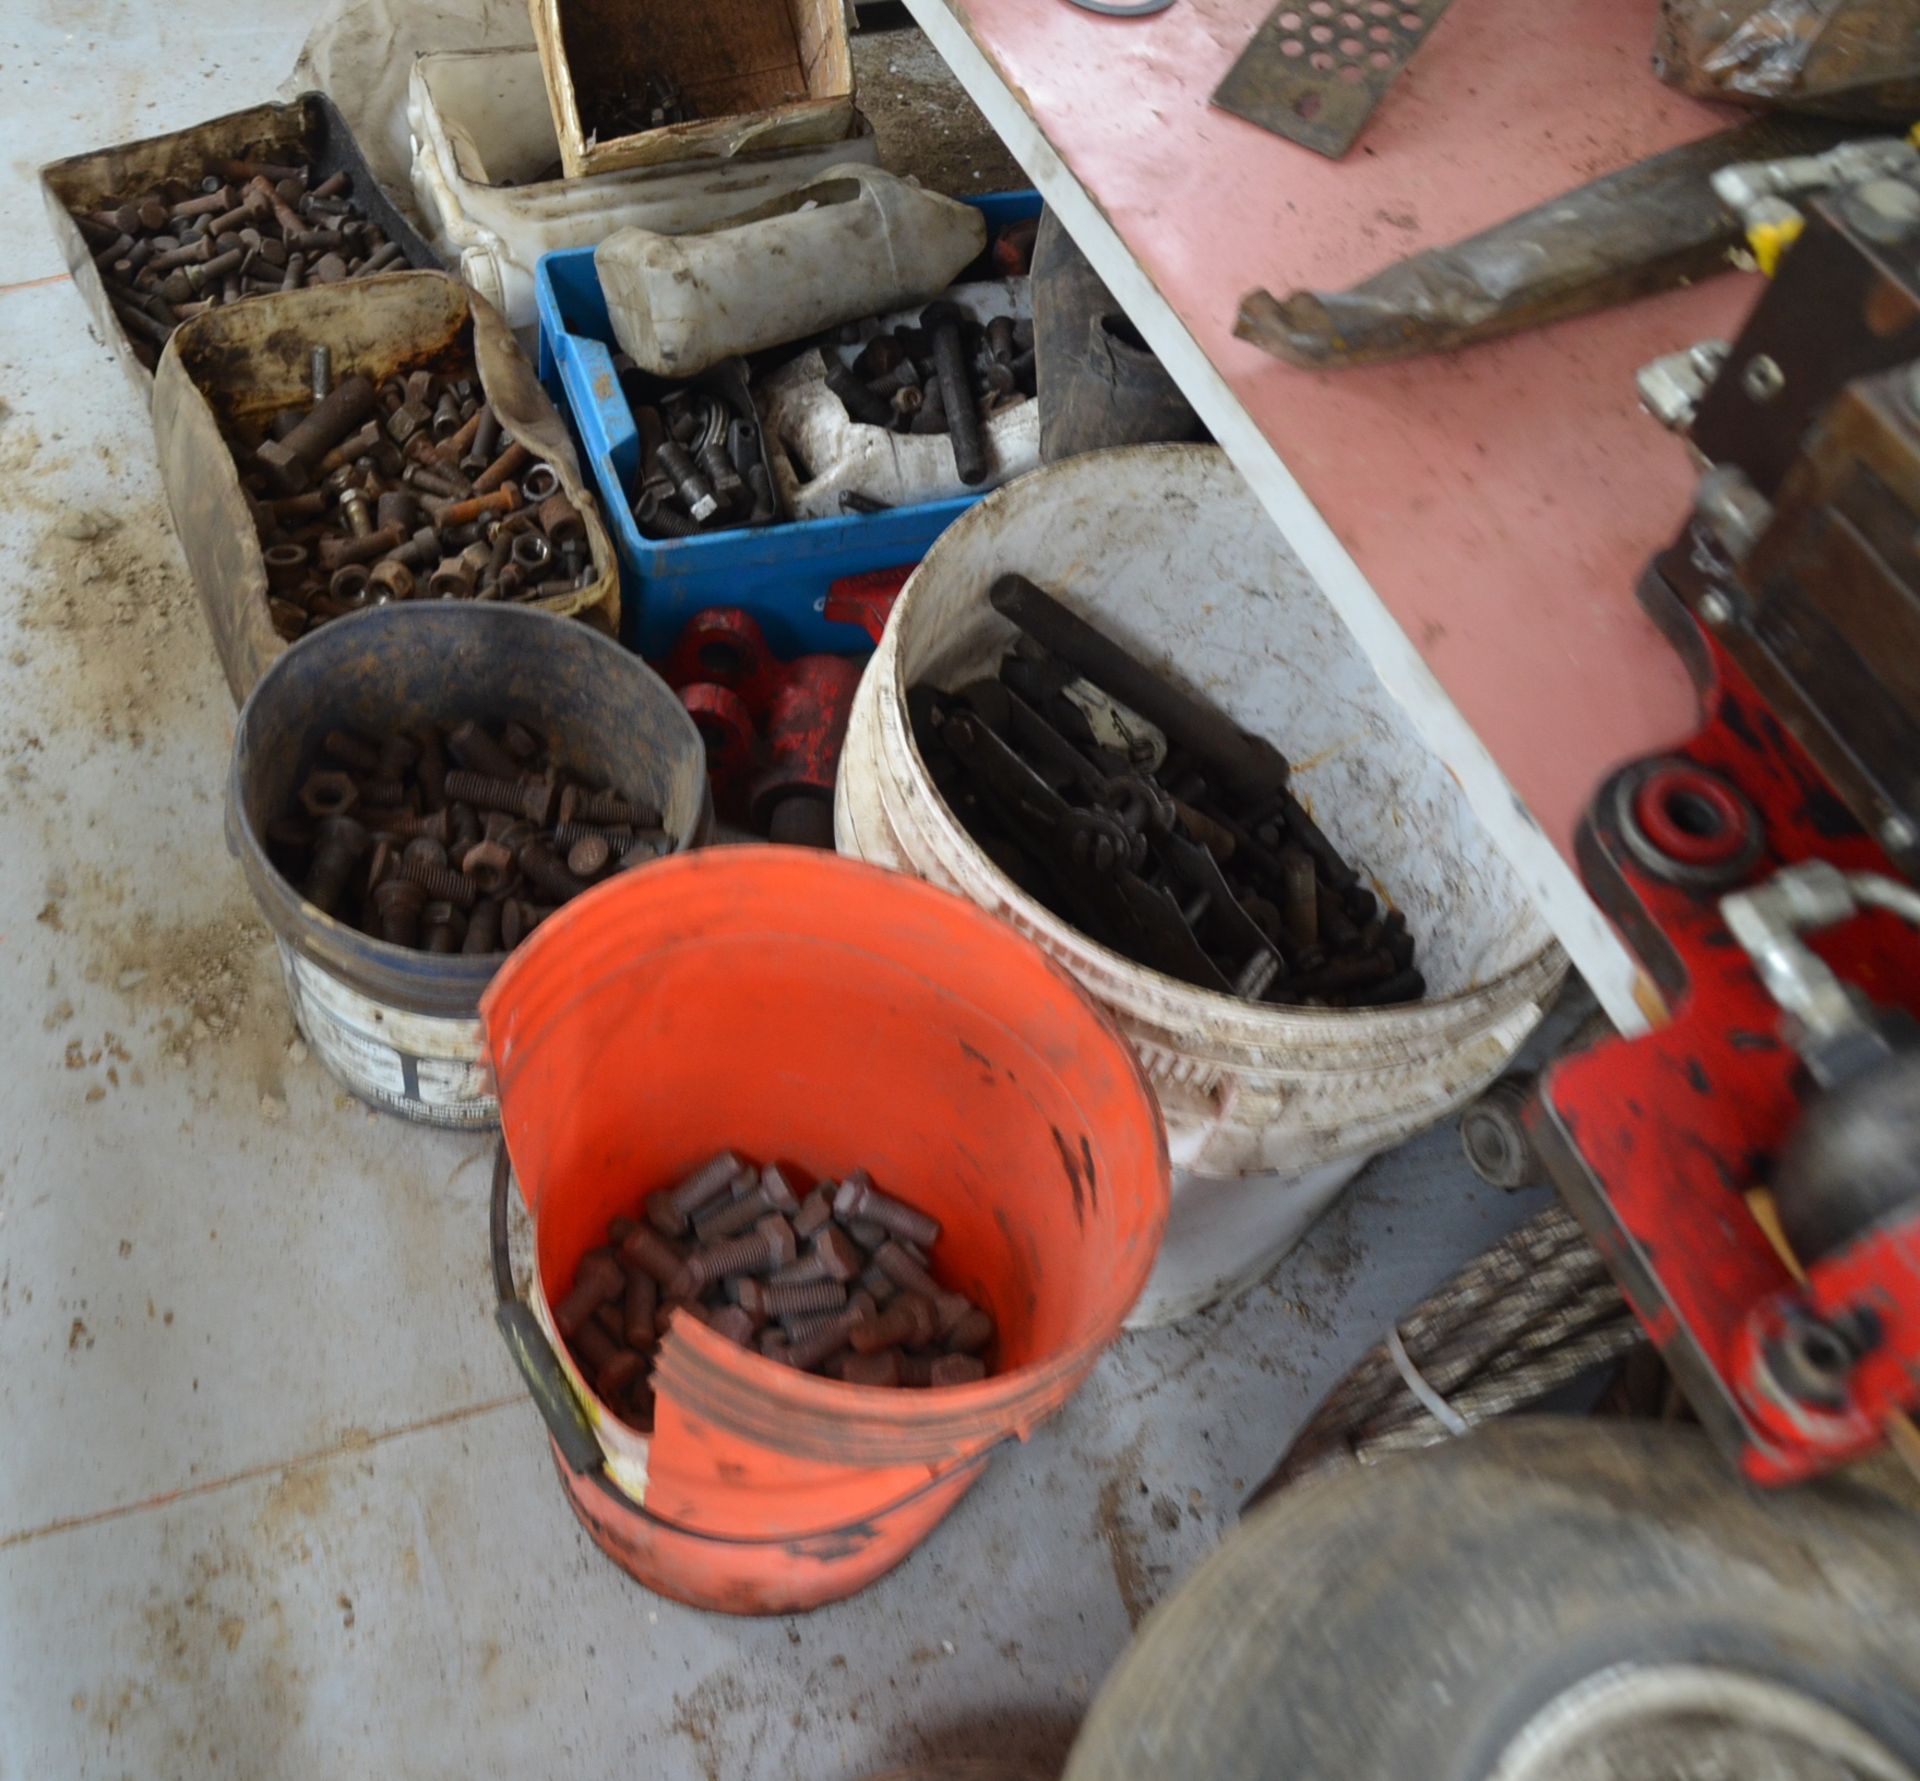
(757, 74)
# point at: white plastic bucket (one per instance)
(1269, 1111)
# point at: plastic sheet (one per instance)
(1844, 58)
(361, 54)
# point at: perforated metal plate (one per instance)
(1316, 69)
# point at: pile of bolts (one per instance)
(945, 373)
(248, 227)
(834, 1282)
(701, 465)
(1176, 841)
(465, 857)
(402, 491)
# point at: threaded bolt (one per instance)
(957, 1369)
(858, 1198)
(769, 1245)
(441, 882)
(607, 806)
(383, 794)
(909, 1319)
(531, 798)
(772, 1195)
(807, 1351)
(765, 1300)
(670, 1211)
(543, 871)
(652, 1255)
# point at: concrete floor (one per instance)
(271, 1501)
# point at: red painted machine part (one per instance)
(1656, 1141)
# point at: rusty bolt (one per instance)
(672, 1210)
(909, 1319)
(457, 513)
(882, 1368)
(577, 804)
(353, 752)
(588, 856)
(622, 1368)
(545, 873)
(438, 921)
(765, 1300)
(476, 751)
(971, 1332)
(772, 1194)
(483, 928)
(829, 1337)
(911, 1277)
(338, 844)
(733, 1323)
(399, 902)
(833, 1256)
(488, 864)
(528, 797)
(816, 1211)
(598, 1281)
(440, 882)
(291, 460)
(518, 919)
(769, 1245)
(649, 1252)
(858, 1199)
(642, 1300)
(957, 1369)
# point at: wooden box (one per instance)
(757, 75)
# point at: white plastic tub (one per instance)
(1269, 1111)
(483, 145)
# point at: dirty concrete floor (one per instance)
(925, 123)
(272, 1502)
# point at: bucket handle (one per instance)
(527, 1343)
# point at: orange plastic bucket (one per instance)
(786, 1003)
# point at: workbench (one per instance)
(1479, 519)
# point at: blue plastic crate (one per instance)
(778, 573)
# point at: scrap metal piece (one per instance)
(1316, 69)
(1649, 227)
(1672, 385)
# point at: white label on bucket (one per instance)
(413, 1062)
